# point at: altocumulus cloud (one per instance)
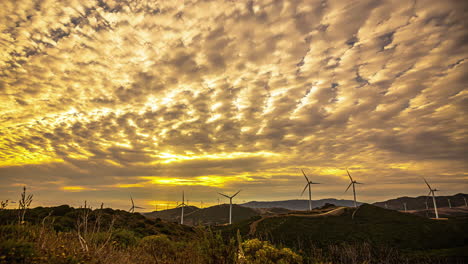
(103, 98)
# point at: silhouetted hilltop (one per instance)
(64, 218)
(419, 203)
(213, 215)
(298, 204)
(172, 215)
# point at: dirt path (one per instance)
(336, 211)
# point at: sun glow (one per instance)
(169, 157)
(214, 181)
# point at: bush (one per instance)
(124, 238)
(159, 247)
(16, 251)
(262, 252)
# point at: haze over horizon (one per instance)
(101, 100)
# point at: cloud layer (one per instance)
(103, 98)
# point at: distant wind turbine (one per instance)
(450, 205)
(432, 191)
(182, 205)
(132, 209)
(230, 204)
(310, 192)
(404, 204)
(466, 205)
(353, 182)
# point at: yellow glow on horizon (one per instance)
(76, 188)
(215, 181)
(129, 185)
(169, 157)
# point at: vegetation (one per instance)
(69, 235)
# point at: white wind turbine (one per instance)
(132, 209)
(432, 191)
(310, 192)
(230, 204)
(182, 205)
(353, 182)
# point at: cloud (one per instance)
(97, 95)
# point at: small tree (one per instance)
(24, 204)
(3, 204)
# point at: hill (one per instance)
(172, 215)
(65, 218)
(419, 203)
(298, 204)
(371, 224)
(213, 215)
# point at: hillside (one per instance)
(371, 224)
(64, 219)
(213, 215)
(419, 203)
(172, 215)
(298, 204)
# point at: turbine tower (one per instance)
(353, 182)
(182, 205)
(230, 204)
(450, 205)
(466, 205)
(310, 192)
(432, 191)
(404, 204)
(132, 209)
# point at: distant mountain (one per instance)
(171, 215)
(419, 203)
(213, 215)
(299, 204)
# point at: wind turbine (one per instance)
(353, 182)
(182, 205)
(432, 191)
(230, 204)
(450, 205)
(132, 209)
(466, 205)
(310, 192)
(404, 204)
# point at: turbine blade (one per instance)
(307, 179)
(131, 198)
(358, 182)
(314, 182)
(427, 184)
(348, 187)
(429, 194)
(349, 175)
(235, 194)
(224, 195)
(304, 189)
(139, 207)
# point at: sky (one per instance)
(100, 100)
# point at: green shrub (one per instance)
(124, 238)
(159, 247)
(16, 251)
(262, 252)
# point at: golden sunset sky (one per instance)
(102, 99)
